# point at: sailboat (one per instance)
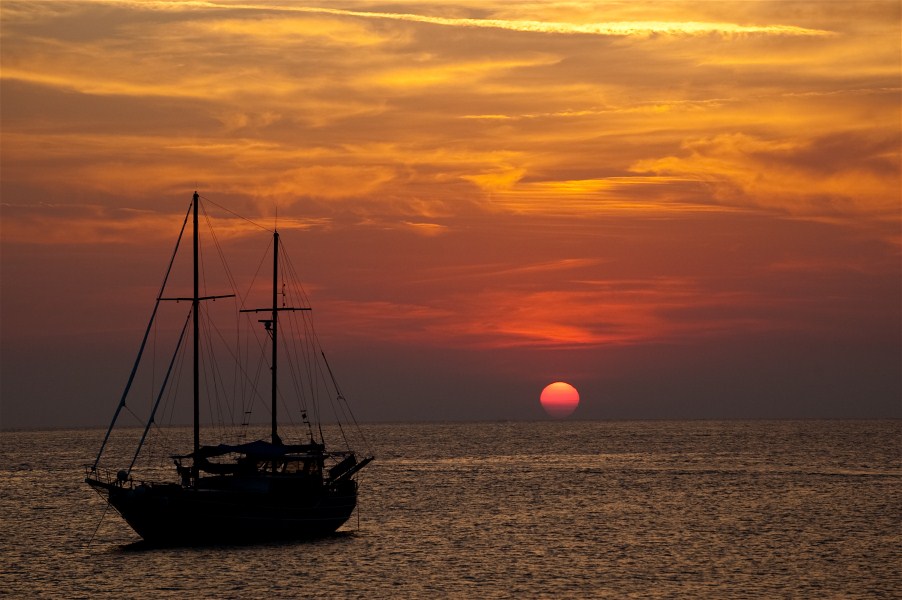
(234, 491)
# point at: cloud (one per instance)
(426, 229)
(52, 224)
(619, 28)
(853, 173)
(603, 313)
(613, 28)
(61, 224)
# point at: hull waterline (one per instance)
(173, 514)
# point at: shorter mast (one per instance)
(272, 327)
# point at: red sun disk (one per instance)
(559, 399)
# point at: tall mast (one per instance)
(275, 333)
(194, 309)
(195, 299)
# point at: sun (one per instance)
(559, 399)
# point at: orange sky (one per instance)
(685, 209)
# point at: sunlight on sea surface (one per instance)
(742, 509)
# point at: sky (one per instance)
(683, 209)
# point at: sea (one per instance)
(557, 509)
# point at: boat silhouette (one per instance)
(235, 491)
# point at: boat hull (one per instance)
(175, 514)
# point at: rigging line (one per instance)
(332, 402)
(131, 377)
(218, 247)
(99, 523)
(153, 362)
(290, 360)
(305, 369)
(237, 215)
(299, 358)
(256, 275)
(222, 259)
(291, 343)
(342, 398)
(308, 352)
(162, 438)
(335, 413)
(219, 381)
(150, 419)
(228, 349)
(236, 397)
(255, 395)
(255, 336)
(214, 372)
(302, 293)
(255, 381)
(169, 406)
(317, 370)
(134, 414)
(217, 385)
(288, 343)
(309, 348)
(201, 257)
(346, 415)
(204, 372)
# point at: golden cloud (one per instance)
(616, 313)
(619, 28)
(847, 174)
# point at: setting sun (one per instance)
(559, 399)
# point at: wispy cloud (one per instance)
(619, 312)
(613, 28)
(822, 176)
(616, 28)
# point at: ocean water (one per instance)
(744, 509)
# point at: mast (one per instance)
(195, 300)
(272, 328)
(194, 310)
(275, 333)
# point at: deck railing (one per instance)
(107, 476)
